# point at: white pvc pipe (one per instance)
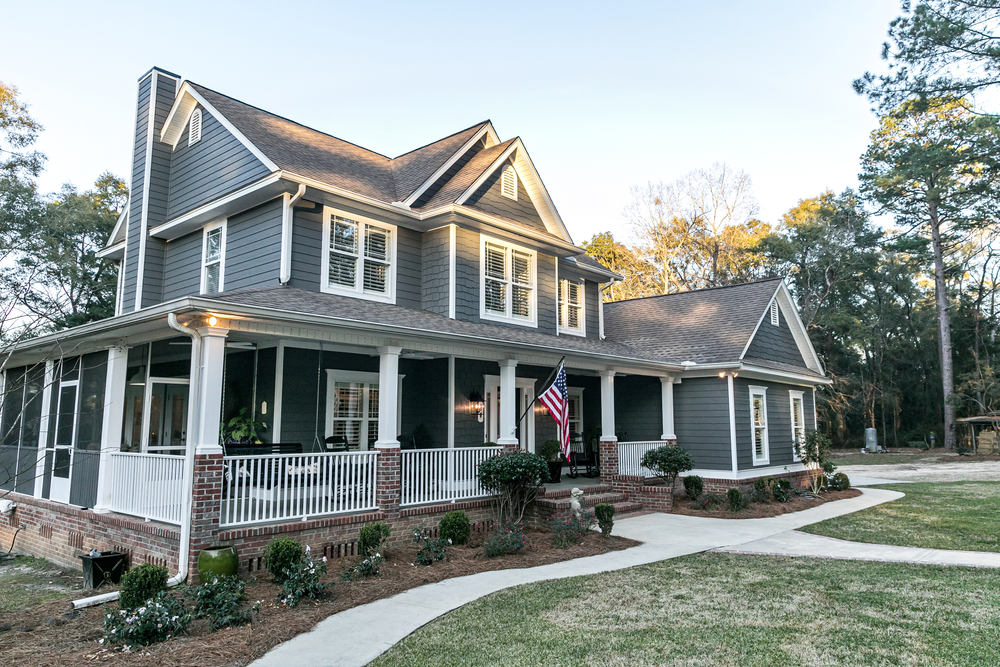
(184, 547)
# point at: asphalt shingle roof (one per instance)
(704, 326)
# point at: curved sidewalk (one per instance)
(358, 635)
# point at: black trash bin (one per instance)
(108, 567)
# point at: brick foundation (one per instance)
(800, 479)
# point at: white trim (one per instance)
(509, 249)
(206, 209)
(577, 392)
(562, 311)
(114, 232)
(451, 401)
(279, 381)
(765, 458)
(806, 350)
(211, 227)
(358, 290)
(792, 396)
(452, 272)
(492, 425)
(111, 250)
(335, 375)
(288, 202)
(746, 474)
(43, 428)
(196, 113)
(120, 287)
(487, 130)
(732, 423)
(815, 423)
(144, 211)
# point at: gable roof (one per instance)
(705, 326)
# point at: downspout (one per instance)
(194, 400)
(600, 305)
(287, 214)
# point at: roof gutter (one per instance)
(194, 399)
(288, 202)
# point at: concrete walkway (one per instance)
(795, 543)
(358, 635)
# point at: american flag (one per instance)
(556, 399)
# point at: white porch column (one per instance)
(43, 428)
(508, 403)
(608, 406)
(388, 397)
(209, 392)
(667, 407)
(111, 430)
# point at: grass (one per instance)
(26, 582)
(726, 609)
(954, 515)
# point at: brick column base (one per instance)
(608, 451)
(388, 481)
(206, 504)
(510, 449)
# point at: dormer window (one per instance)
(508, 183)
(571, 307)
(359, 256)
(507, 282)
(774, 313)
(194, 127)
(213, 258)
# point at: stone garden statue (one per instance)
(575, 502)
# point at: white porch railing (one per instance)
(443, 475)
(276, 487)
(148, 485)
(630, 457)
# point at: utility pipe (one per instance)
(287, 219)
(194, 400)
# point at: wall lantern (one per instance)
(477, 406)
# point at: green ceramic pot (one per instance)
(218, 560)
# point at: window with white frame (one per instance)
(758, 424)
(774, 313)
(798, 419)
(352, 410)
(508, 183)
(194, 127)
(359, 257)
(575, 410)
(571, 307)
(507, 276)
(213, 258)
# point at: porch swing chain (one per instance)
(319, 367)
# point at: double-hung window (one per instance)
(213, 258)
(798, 419)
(571, 307)
(507, 283)
(758, 424)
(359, 257)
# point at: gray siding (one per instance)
(217, 164)
(307, 249)
(701, 421)
(779, 422)
(775, 343)
(435, 271)
(159, 174)
(136, 193)
(489, 200)
(253, 247)
(182, 266)
(467, 286)
(409, 253)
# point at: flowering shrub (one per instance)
(302, 580)
(158, 619)
(367, 567)
(431, 549)
(221, 602)
(571, 529)
(504, 541)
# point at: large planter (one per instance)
(555, 471)
(218, 560)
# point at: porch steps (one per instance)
(557, 500)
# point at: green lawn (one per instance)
(954, 515)
(26, 582)
(727, 609)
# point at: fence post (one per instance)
(388, 483)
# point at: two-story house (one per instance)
(390, 321)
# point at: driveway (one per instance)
(980, 471)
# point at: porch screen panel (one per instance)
(92, 378)
(31, 423)
(135, 389)
(13, 395)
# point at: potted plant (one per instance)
(549, 450)
(243, 429)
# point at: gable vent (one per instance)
(508, 183)
(194, 127)
(774, 313)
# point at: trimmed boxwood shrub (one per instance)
(141, 584)
(693, 486)
(514, 479)
(840, 482)
(605, 514)
(371, 537)
(736, 499)
(455, 526)
(667, 462)
(281, 555)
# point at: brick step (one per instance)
(587, 490)
(627, 508)
(586, 501)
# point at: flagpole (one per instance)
(544, 385)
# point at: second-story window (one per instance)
(359, 257)
(508, 282)
(571, 307)
(213, 258)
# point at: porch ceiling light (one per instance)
(212, 321)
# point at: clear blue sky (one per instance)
(605, 96)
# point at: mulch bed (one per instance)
(683, 505)
(50, 635)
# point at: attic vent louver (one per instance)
(508, 183)
(194, 127)
(774, 313)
